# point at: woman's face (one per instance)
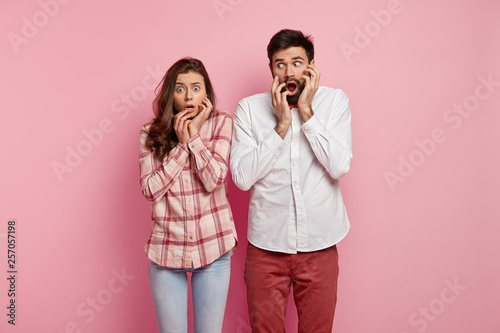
(189, 92)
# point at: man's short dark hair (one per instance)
(289, 38)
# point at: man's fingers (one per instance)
(284, 101)
(279, 88)
(275, 84)
(315, 75)
(308, 80)
(312, 74)
(275, 89)
(313, 67)
(277, 94)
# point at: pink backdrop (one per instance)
(422, 195)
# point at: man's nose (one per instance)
(289, 72)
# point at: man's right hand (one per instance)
(281, 107)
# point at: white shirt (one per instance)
(295, 198)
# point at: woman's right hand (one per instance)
(181, 123)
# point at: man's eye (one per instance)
(196, 88)
(280, 66)
(180, 89)
(297, 63)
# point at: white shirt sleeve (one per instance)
(331, 138)
(250, 161)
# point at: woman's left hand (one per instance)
(206, 107)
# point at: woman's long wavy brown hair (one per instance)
(161, 137)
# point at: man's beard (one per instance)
(293, 100)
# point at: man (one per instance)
(290, 147)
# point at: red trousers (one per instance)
(313, 277)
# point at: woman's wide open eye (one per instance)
(196, 88)
(179, 89)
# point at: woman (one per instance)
(183, 162)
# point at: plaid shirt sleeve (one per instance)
(157, 178)
(212, 167)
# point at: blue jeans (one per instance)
(209, 285)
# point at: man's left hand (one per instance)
(306, 97)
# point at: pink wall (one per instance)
(422, 193)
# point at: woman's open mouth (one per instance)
(190, 107)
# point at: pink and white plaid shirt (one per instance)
(192, 223)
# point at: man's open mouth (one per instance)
(291, 86)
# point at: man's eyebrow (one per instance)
(294, 58)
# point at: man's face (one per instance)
(289, 65)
